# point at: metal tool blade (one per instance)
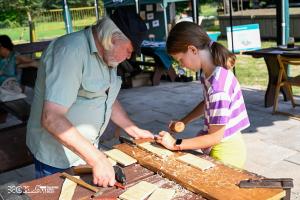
(120, 175)
(127, 140)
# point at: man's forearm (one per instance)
(120, 117)
(60, 127)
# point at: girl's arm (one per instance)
(194, 114)
(177, 127)
(214, 136)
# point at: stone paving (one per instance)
(273, 141)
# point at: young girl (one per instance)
(223, 105)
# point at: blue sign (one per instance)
(245, 38)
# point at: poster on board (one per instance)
(149, 7)
(155, 23)
(150, 16)
(245, 38)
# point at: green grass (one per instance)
(46, 30)
(253, 72)
(250, 71)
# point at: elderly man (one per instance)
(75, 96)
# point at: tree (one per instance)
(55, 4)
(17, 11)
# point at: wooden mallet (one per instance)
(176, 126)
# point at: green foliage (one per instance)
(208, 9)
(55, 4)
(14, 12)
(181, 6)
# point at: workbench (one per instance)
(134, 173)
(219, 182)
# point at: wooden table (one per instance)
(269, 55)
(220, 182)
(134, 174)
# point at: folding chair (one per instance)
(286, 81)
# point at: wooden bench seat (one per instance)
(30, 48)
(159, 70)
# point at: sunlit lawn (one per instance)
(45, 30)
(250, 71)
(253, 71)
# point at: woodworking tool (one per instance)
(120, 175)
(83, 184)
(127, 140)
(279, 183)
(176, 126)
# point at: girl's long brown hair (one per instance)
(184, 34)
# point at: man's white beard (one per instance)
(110, 59)
(113, 64)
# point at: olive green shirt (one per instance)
(72, 74)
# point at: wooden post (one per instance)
(32, 34)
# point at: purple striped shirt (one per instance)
(224, 102)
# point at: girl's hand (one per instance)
(176, 126)
(166, 140)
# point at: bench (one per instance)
(162, 61)
(162, 64)
(159, 70)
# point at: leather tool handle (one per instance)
(85, 169)
(80, 182)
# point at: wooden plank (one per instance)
(180, 192)
(195, 161)
(155, 149)
(139, 191)
(162, 194)
(120, 157)
(54, 182)
(219, 182)
(134, 174)
(68, 189)
(33, 47)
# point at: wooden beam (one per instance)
(219, 182)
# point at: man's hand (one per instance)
(120, 117)
(138, 133)
(103, 173)
(166, 140)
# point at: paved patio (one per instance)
(273, 141)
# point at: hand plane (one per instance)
(279, 183)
